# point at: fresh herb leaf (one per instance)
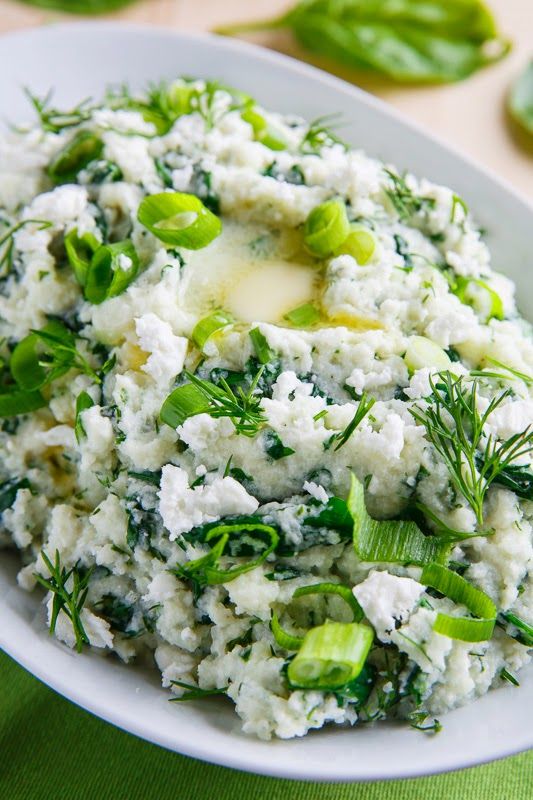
(242, 407)
(45, 355)
(473, 459)
(80, 6)
(520, 102)
(7, 242)
(275, 447)
(404, 200)
(194, 692)
(52, 119)
(80, 151)
(434, 41)
(83, 402)
(338, 440)
(69, 589)
(8, 492)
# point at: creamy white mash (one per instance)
(112, 502)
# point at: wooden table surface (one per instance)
(469, 115)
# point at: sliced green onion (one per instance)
(393, 541)
(478, 294)
(27, 365)
(262, 349)
(422, 352)
(326, 228)
(113, 267)
(184, 402)
(333, 588)
(330, 656)
(20, 402)
(207, 326)
(84, 147)
(459, 590)
(179, 220)
(263, 132)
(463, 628)
(360, 244)
(80, 250)
(303, 316)
(286, 640)
(83, 402)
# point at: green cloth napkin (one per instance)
(52, 750)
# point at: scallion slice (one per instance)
(481, 297)
(303, 316)
(326, 228)
(184, 402)
(459, 590)
(262, 349)
(207, 326)
(422, 352)
(83, 148)
(360, 244)
(333, 588)
(397, 541)
(330, 656)
(179, 220)
(80, 250)
(263, 132)
(286, 640)
(113, 267)
(463, 628)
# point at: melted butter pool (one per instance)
(257, 276)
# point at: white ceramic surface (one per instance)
(79, 60)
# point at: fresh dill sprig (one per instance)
(194, 692)
(455, 427)
(404, 200)
(7, 243)
(242, 407)
(62, 355)
(421, 721)
(319, 134)
(72, 600)
(485, 373)
(52, 119)
(338, 440)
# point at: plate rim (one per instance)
(24, 656)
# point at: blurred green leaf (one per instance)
(520, 101)
(410, 41)
(79, 6)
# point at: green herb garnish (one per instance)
(474, 460)
(407, 41)
(199, 396)
(338, 440)
(69, 589)
(520, 102)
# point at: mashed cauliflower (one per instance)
(111, 501)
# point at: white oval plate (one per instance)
(79, 61)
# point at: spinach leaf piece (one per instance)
(420, 41)
(520, 102)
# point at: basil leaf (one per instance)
(405, 40)
(80, 6)
(520, 101)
